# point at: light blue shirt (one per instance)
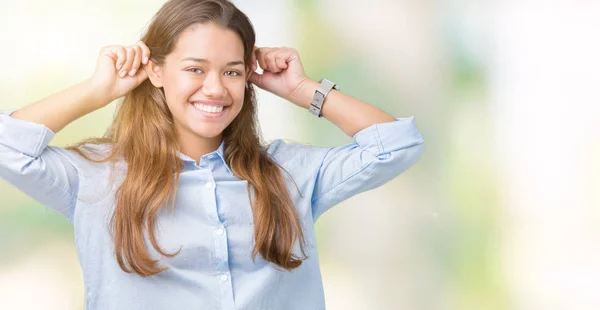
(212, 221)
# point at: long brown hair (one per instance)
(143, 134)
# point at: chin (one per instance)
(207, 131)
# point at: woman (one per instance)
(180, 205)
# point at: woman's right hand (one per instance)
(119, 70)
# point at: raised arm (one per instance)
(384, 146)
(45, 173)
(106, 85)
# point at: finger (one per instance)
(271, 64)
(137, 60)
(127, 65)
(145, 52)
(281, 60)
(111, 52)
(260, 57)
(121, 56)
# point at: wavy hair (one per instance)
(142, 134)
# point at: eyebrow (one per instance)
(231, 63)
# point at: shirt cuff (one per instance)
(26, 137)
(390, 136)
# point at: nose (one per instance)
(213, 86)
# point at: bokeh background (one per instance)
(501, 212)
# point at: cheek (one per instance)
(179, 88)
(237, 92)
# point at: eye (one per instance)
(194, 70)
(235, 73)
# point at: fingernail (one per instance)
(132, 72)
(122, 74)
(145, 60)
(119, 66)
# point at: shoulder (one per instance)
(85, 157)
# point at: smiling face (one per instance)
(204, 79)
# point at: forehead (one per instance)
(209, 41)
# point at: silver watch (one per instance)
(320, 94)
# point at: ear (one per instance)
(155, 74)
(249, 74)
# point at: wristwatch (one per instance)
(317, 103)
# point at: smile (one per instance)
(210, 112)
(208, 108)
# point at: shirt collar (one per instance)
(220, 152)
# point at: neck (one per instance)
(195, 147)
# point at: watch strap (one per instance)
(319, 97)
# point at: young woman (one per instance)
(180, 205)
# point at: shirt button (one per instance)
(224, 277)
(220, 231)
(210, 185)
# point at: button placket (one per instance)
(227, 290)
(210, 184)
(221, 251)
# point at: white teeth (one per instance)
(207, 108)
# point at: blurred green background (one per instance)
(499, 213)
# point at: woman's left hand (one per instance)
(283, 72)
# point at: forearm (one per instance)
(60, 109)
(349, 114)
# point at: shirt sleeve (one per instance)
(379, 153)
(42, 172)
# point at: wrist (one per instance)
(97, 96)
(304, 93)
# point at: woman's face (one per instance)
(204, 74)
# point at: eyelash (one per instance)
(193, 70)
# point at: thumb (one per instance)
(256, 79)
(141, 75)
